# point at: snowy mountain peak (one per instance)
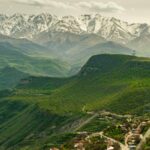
(110, 28)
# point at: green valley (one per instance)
(15, 65)
(41, 112)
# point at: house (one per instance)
(110, 148)
(83, 133)
(143, 124)
(25, 81)
(79, 145)
(132, 147)
(54, 148)
(134, 139)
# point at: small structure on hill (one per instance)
(110, 148)
(79, 145)
(54, 148)
(24, 81)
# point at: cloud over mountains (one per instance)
(93, 6)
(99, 6)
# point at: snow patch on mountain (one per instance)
(110, 28)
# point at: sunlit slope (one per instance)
(26, 126)
(108, 82)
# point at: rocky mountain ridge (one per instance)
(110, 28)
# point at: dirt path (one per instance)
(87, 121)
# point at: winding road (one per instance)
(87, 121)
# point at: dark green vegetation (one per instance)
(9, 77)
(111, 82)
(115, 133)
(147, 144)
(95, 143)
(32, 127)
(47, 107)
(96, 125)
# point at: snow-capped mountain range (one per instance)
(29, 26)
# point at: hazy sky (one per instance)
(130, 10)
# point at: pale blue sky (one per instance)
(130, 10)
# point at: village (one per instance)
(129, 133)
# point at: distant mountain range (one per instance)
(44, 28)
(27, 57)
(29, 26)
(47, 45)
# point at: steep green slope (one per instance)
(25, 126)
(116, 83)
(10, 77)
(105, 82)
(11, 56)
